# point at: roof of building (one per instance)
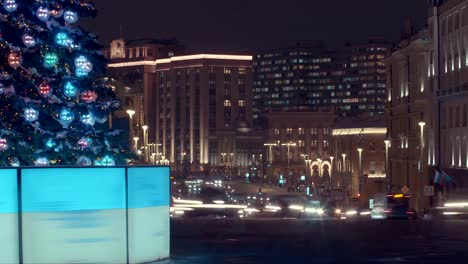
(362, 121)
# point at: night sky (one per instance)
(248, 25)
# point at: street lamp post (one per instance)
(343, 170)
(421, 176)
(288, 145)
(130, 123)
(387, 174)
(135, 146)
(331, 171)
(360, 171)
(145, 142)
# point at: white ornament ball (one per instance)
(3, 144)
(29, 40)
(88, 119)
(14, 162)
(10, 5)
(42, 162)
(84, 161)
(43, 13)
(30, 114)
(70, 16)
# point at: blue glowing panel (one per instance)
(73, 215)
(65, 189)
(148, 187)
(148, 214)
(8, 191)
(9, 252)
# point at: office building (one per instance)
(349, 80)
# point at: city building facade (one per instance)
(129, 72)
(427, 108)
(447, 130)
(360, 155)
(298, 143)
(202, 110)
(307, 77)
(408, 104)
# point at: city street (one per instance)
(317, 241)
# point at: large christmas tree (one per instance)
(53, 94)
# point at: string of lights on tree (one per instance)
(52, 87)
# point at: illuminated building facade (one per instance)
(295, 143)
(360, 156)
(203, 107)
(446, 130)
(307, 76)
(408, 98)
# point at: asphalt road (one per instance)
(246, 241)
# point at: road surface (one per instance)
(200, 241)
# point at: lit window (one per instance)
(289, 131)
(326, 131)
(277, 132)
(313, 131)
(227, 71)
(241, 102)
(227, 103)
(300, 143)
(314, 143)
(301, 131)
(325, 144)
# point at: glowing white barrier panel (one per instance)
(148, 214)
(9, 249)
(84, 215)
(80, 213)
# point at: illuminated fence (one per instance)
(84, 215)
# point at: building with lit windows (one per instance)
(203, 110)
(360, 155)
(295, 143)
(132, 79)
(428, 107)
(308, 76)
(446, 130)
(408, 99)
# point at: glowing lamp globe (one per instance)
(66, 116)
(29, 40)
(44, 89)
(88, 119)
(61, 39)
(84, 161)
(42, 162)
(3, 144)
(88, 96)
(43, 13)
(80, 61)
(84, 143)
(70, 16)
(50, 60)
(69, 90)
(10, 5)
(106, 161)
(15, 60)
(30, 114)
(14, 162)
